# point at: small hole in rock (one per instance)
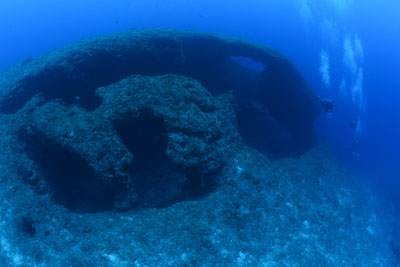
(250, 63)
(28, 226)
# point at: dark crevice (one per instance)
(73, 183)
(28, 226)
(157, 182)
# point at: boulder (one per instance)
(169, 124)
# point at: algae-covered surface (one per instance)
(159, 148)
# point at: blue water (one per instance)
(346, 49)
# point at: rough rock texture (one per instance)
(171, 116)
(91, 63)
(104, 162)
(74, 73)
(293, 212)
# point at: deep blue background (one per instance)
(301, 29)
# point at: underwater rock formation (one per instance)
(73, 73)
(142, 120)
(133, 150)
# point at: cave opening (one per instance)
(157, 181)
(71, 180)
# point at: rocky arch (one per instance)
(278, 94)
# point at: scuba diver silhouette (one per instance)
(327, 104)
(355, 126)
(355, 123)
(354, 147)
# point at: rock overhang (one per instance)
(88, 98)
